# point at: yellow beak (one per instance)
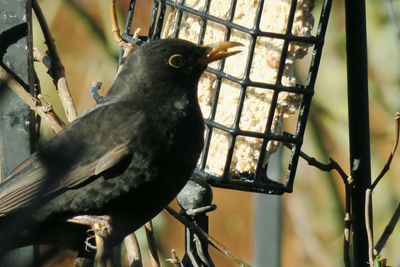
(219, 51)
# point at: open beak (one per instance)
(219, 51)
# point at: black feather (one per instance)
(127, 158)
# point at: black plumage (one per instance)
(126, 158)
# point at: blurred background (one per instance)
(312, 222)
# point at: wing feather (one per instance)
(30, 176)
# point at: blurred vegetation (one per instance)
(313, 216)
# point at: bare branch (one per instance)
(346, 244)
(133, 251)
(127, 47)
(94, 89)
(114, 24)
(389, 161)
(49, 109)
(204, 236)
(40, 56)
(347, 180)
(57, 71)
(347, 224)
(155, 262)
(368, 226)
(332, 165)
(388, 231)
(174, 259)
(46, 113)
(83, 262)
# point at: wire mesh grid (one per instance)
(287, 98)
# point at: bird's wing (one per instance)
(98, 156)
(102, 164)
(111, 158)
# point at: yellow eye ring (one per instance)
(176, 61)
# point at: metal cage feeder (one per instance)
(170, 19)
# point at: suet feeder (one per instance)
(256, 103)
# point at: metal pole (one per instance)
(16, 126)
(195, 200)
(357, 77)
(268, 220)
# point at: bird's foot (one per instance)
(100, 225)
(88, 241)
(102, 229)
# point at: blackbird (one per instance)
(125, 159)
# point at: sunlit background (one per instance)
(313, 213)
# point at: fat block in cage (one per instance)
(246, 100)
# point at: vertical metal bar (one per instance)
(15, 117)
(129, 18)
(204, 23)
(267, 228)
(160, 12)
(153, 20)
(357, 82)
(195, 200)
(178, 21)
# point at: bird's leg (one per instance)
(88, 245)
(101, 226)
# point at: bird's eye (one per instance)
(176, 61)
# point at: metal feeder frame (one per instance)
(259, 180)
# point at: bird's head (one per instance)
(179, 60)
(168, 66)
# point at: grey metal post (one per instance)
(195, 200)
(15, 117)
(268, 222)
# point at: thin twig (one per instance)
(347, 224)
(372, 252)
(49, 109)
(94, 89)
(389, 161)
(347, 180)
(57, 71)
(174, 259)
(114, 24)
(327, 167)
(346, 240)
(133, 251)
(204, 236)
(37, 89)
(368, 226)
(45, 113)
(332, 165)
(83, 262)
(40, 56)
(127, 47)
(101, 252)
(388, 231)
(151, 241)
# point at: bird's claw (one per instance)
(100, 227)
(88, 245)
(201, 210)
(90, 231)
